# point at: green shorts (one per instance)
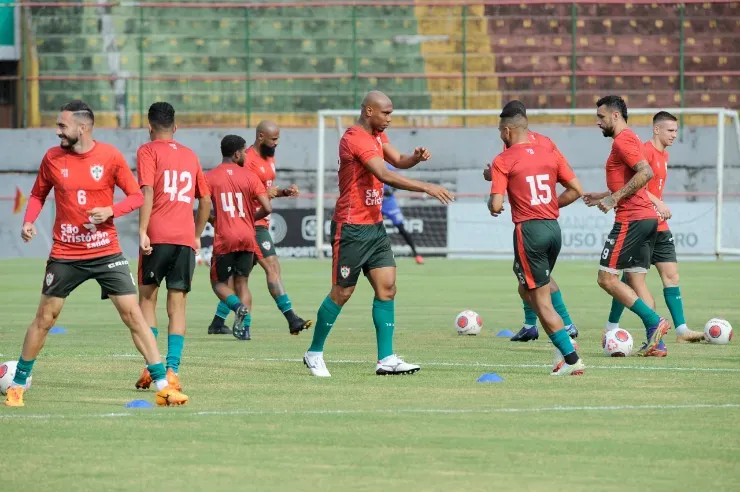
(664, 250)
(173, 262)
(264, 239)
(358, 247)
(238, 263)
(629, 247)
(111, 272)
(537, 244)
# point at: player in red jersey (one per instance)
(171, 179)
(359, 240)
(234, 188)
(529, 326)
(665, 129)
(528, 173)
(83, 174)
(630, 243)
(260, 159)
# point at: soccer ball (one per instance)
(468, 323)
(718, 331)
(617, 343)
(7, 373)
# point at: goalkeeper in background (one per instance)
(392, 211)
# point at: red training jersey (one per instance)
(627, 151)
(360, 192)
(233, 189)
(659, 163)
(174, 174)
(539, 139)
(528, 172)
(82, 182)
(265, 171)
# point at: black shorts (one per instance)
(264, 240)
(664, 250)
(111, 272)
(629, 247)
(537, 244)
(238, 263)
(358, 248)
(173, 262)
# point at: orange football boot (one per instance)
(170, 397)
(14, 397)
(145, 380)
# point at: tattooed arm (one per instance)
(643, 174)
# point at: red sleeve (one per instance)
(565, 173)
(629, 149)
(364, 150)
(146, 166)
(201, 185)
(126, 181)
(499, 176)
(384, 138)
(41, 189)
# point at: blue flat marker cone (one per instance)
(490, 377)
(505, 333)
(139, 404)
(57, 330)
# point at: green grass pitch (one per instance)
(258, 421)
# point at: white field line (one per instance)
(441, 364)
(399, 411)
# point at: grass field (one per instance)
(258, 421)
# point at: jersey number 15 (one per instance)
(171, 182)
(541, 185)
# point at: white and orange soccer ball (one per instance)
(7, 373)
(718, 331)
(617, 343)
(468, 323)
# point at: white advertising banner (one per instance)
(472, 229)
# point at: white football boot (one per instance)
(564, 369)
(558, 360)
(315, 363)
(393, 364)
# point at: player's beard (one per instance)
(267, 151)
(68, 141)
(608, 132)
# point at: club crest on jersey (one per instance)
(344, 271)
(266, 245)
(49, 278)
(96, 171)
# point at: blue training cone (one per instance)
(139, 404)
(505, 333)
(57, 330)
(490, 377)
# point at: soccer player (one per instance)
(83, 174)
(528, 172)
(665, 128)
(392, 211)
(171, 179)
(529, 327)
(359, 240)
(629, 245)
(260, 159)
(235, 249)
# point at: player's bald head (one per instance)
(376, 111)
(266, 127)
(266, 138)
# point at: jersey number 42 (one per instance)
(171, 182)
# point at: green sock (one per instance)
(561, 340)
(648, 316)
(155, 331)
(673, 300)
(157, 371)
(530, 317)
(559, 305)
(328, 314)
(174, 351)
(23, 371)
(615, 314)
(222, 310)
(283, 303)
(232, 302)
(247, 320)
(384, 321)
